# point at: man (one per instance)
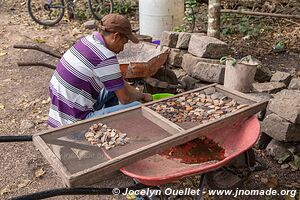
(87, 81)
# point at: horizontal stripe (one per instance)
(57, 116)
(107, 70)
(76, 81)
(93, 48)
(95, 44)
(68, 102)
(108, 62)
(68, 94)
(87, 53)
(53, 123)
(82, 76)
(113, 85)
(72, 88)
(66, 109)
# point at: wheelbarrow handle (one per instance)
(13, 138)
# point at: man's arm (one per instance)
(128, 94)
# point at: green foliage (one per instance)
(122, 7)
(81, 14)
(179, 28)
(291, 155)
(244, 26)
(189, 15)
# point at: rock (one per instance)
(263, 74)
(280, 129)
(286, 104)
(26, 124)
(203, 69)
(278, 150)
(91, 24)
(284, 166)
(263, 141)
(269, 87)
(180, 73)
(200, 85)
(261, 97)
(175, 57)
(189, 82)
(295, 84)
(183, 40)
(282, 77)
(207, 47)
(169, 39)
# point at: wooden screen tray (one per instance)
(80, 163)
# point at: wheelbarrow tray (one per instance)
(80, 163)
(158, 170)
(141, 60)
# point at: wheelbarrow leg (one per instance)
(201, 186)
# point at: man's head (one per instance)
(116, 31)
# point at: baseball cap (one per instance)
(118, 23)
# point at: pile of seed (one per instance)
(199, 107)
(104, 136)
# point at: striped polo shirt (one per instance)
(80, 75)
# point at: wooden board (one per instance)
(150, 132)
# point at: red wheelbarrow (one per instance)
(157, 170)
(230, 172)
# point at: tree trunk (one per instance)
(213, 29)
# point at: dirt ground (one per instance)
(24, 96)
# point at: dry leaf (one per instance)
(40, 40)
(24, 183)
(1, 106)
(40, 172)
(4, 191)
(3, 53)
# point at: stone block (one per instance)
(280, 129)
(263, 74)
(179, 72)
(169, 39)
(269, 87)
(261, 97)
(278, 150)
(183, 40)
(175, 57)
(286, 104)
(207, 47)
(204, 69)
(282, 77)
(189, 82)
(91, 24)
(294, 84)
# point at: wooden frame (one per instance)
(177, 136)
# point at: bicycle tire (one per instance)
(34, 18)
(94, 12)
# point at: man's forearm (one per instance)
(134, 94)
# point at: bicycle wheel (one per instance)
(99, 8)
(46, 12)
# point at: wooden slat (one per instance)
(161, 121)
(181, 94)
(236, 94)
(52, 158)
(89, 176)
(80, 125)
(92, 174)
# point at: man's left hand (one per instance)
(147, 97)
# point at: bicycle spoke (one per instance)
(46, 12)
